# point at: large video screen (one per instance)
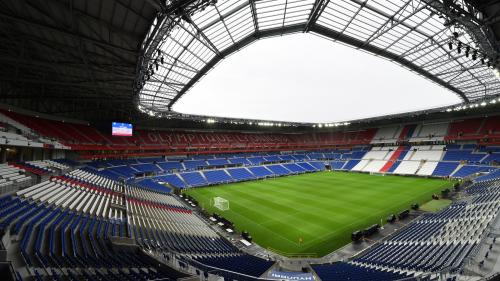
(121, 129)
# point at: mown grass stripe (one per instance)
(322, 208)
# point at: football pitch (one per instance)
(315, 213)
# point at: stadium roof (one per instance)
(88, 59)
(78, 57)
(413, 33)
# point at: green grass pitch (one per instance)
(322, 209)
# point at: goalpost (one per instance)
(221, 203)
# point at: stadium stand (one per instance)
(279, 170)
(194, 179)
(79, 208)
(437, 241)
(346, 271)
(260, 171)
(240, 174)
(80, 201)
(172, 179)
(444, 169)
(217, 176)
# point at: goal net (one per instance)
(221, 203)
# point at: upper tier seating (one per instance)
(435, 131)
(386, 134)
(464, 127)
(491, 126)
(84, 137)
(80, 136)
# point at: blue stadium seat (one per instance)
(318, 165)
(172, 179)
(193, 179)
(278, 170)
(170, 166)
(217, 162)
(294, 168)
(194, 164)
(260, 171)
(217, 176)
(346, 271)
(147, 168)
(153, 186)
(444, 169)
(240, 174)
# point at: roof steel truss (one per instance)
(411, 33)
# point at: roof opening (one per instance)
(305, 78)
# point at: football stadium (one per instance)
(235, 140)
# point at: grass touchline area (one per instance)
(319, 209)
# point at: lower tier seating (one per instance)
(52, 238)
(242, 263)
(346, 271)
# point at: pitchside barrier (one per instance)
(377, 173)
(293, 255)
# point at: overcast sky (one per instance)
(306, 78)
